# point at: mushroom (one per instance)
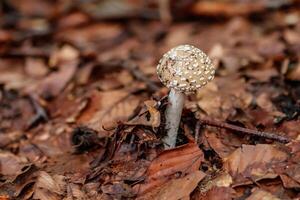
(183, 69)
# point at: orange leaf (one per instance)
(181, 160)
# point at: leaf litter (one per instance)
(82, 109)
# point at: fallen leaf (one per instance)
(66, 53)
(143, 119)
(216, 144)
(253, 163)
(289, 182)
(181, 160)
(52, 85)
(72, 20)
(7, 138)
(294, 73)
(293, 172)
(35, 67)
(290, 128)
(113, 8)
(263, 75)
(220, 98)
(49, 187)
(261, 194)
(107, 108)
(13, 77)
(213, 8)
(34, 7)
(270, 46)
(10, 164)
(91, 36)
(74, 191)
(217, 193)
(219, 181)
(118, 190)
(180, 188)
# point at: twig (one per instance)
(26, 53)
(40, 112)
(197, 131)
(164, 11)
(267, 135)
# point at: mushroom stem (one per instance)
(173, 115)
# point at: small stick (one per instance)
(40, 112)
(197, 131)
(165, 12)
(267, 135)
(28, 53)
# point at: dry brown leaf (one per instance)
(142, 119)
(179, 34)
(36, 67)
(294, 73)
(261, 194)
(179, 188)
(66, 53)
(115, 80)
(181, 160)
(217, 193)
(117, 190)
(9, 137)
(113, 8)
(34, 7)
(253, 163)
(72, 20)
(293, 172)
(292, 37)
(74, 191)
(13, 77)
(216, 144)
(53, 139)
(220, 98)
(108, 108)
(222, 180)
(264, 101)
(4, 197)
(213, 8)
(64, 164)
(10, 164)
(53, 84)
(271, 46)
(49, 187)
(263, 75)
(91, 36)
(288, 182)
(290, 128)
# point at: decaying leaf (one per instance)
(251, 163)
(218, 193)
(142, 118)
(176, 189)
(261, 194)
(216, 144)
(179, 161)
(221, 180)
(49, 187)
(10, 164)
(108, 108)
(294, 73)
(91, 36)
(220, 98)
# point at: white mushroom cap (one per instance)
(185, 68)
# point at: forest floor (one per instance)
(82, 109)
